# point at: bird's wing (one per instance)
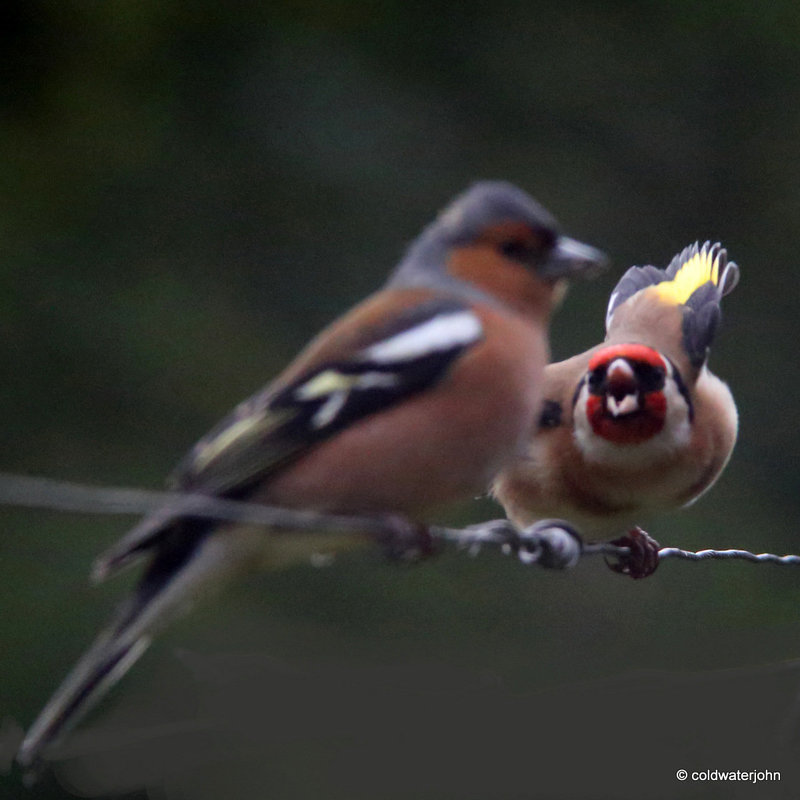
(405, 355)
(409, 354)
(681, 302)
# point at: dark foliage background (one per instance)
(191, 190)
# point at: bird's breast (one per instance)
(440, 446)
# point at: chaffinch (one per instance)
(637, 423)
(414, 399)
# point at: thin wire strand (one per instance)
(64, 496)
(56, 495)
(608, 549)
(745, 555)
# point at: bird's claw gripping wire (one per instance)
(642, 558)
(407, 541)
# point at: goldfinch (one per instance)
(637, 424)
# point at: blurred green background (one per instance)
(190, 191)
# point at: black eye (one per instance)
(650, 378)
(516, 249)
(596, 378)
(545, 239)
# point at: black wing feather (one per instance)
(280, 423)
(701, 318)
(701, 311)
(633, 281)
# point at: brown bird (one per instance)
(414, 399)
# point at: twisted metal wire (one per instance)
(607, 549)
(549, 543)
(745, 555)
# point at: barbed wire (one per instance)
(552, 544)
(745, 555)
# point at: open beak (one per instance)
(626, 405)
(622, 391)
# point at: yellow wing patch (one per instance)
(702, 267)
(326, 383)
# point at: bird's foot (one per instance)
(406, 541)
(642, 558)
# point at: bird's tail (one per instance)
(184, 564)
(106, 661)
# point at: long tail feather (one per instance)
(97, 671)
(185, 564)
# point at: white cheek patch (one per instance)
(582, 429)
(675, 434)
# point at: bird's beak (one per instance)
(571, 258)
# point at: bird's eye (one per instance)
(596, 378)
(650, 378)
(516, 249)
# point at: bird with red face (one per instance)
(637, 424)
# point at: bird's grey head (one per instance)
(465, 220)
(489, 203)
